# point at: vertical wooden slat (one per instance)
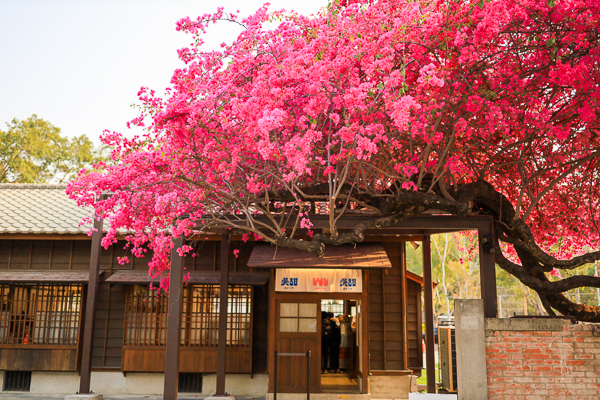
(71, 256)
(88, 327)
(195, 255)
(223, 291)
(174, 323)
(30, 254)
(404, 309)
(215, 257)
(10, 253)
(50, 258)
(365, 333)
(271, 331)
(106, 329)
(429, 339)
(383, 319)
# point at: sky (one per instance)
(79, 64)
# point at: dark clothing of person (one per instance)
(326, 331)
(334, 346)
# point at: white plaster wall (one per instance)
(102, 382)
(238, 384)
(109, 382)
(131, 383)
(54, 382)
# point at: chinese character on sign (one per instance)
(288, 283)
(347, 283)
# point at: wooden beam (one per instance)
(222, 343)
(90, 309)
(487, 267)
(429, 339)
(196, 278)
(44, 236)
(361, 256)
(42, 276)
(171, 383)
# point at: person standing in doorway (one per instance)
(325, 340)
(334, 344)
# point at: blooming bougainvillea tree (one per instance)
(386, 109)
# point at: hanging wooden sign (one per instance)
(318, 280)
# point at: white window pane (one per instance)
(307, 325)
(288, 310)
(288, 325)
(308, 310)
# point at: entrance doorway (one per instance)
(339, 346)
(298, 329)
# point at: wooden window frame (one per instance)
(42, 314)
(199, 320)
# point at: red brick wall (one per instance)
(560, 362)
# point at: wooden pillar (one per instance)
(90, 309)
(365, 334)
(429, 339)
(404, 297)
(223, 291)
(174, 323)
(487, 264)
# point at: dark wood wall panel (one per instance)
(107, 344)
(5, 253)
(415, 329)
(75, 255)
(41, 247)
(61, 254)
(21, 250)
(38, 359)
(152, 359)
(260, 330)
(376, 338)
(386, 323)
(81, 254)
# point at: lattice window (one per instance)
(40, 314)
(146, 316)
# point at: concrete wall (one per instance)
(102, 382)
(140, 383)
(542, 359)
(470, 350)
(390, 387)
(237, 384)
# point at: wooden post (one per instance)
(429, 339)
(404, 297)
(487, 264)
(90, 309)
(171, 384)
(223, 291)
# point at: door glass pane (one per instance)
(308, 310)
(288, 325)
(307, 325)
(288, 310)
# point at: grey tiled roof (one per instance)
(33, 209)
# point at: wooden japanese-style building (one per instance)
(74, 318)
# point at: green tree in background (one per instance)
(455, 269)
(34, 151)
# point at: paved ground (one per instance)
(30, 396)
